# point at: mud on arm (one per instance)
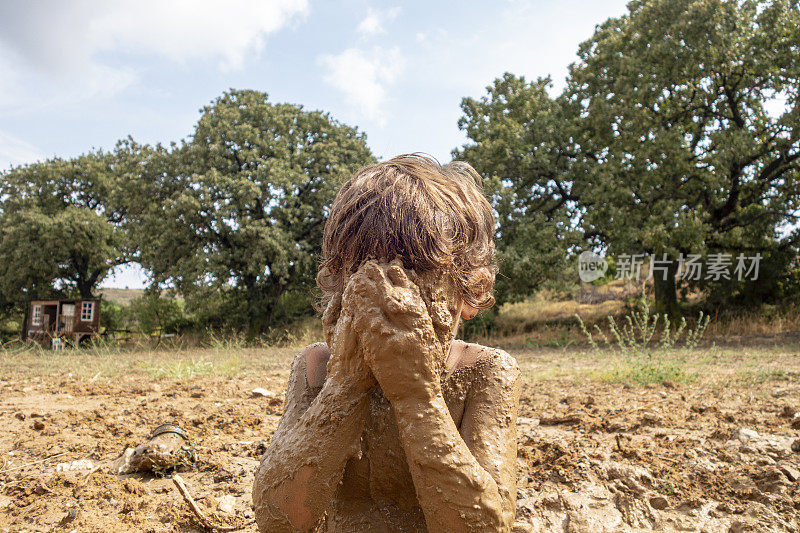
(305, 461)
(454, 489)
(489, 424)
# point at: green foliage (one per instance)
(113, 316)
(519, 145)
(681, 143)
(778, 279)
(678, 132)
(236, 213)
(59, 227)
(480, 326)
(154, 313)
(648, 367)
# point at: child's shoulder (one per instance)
(476, 355)
(314, 358)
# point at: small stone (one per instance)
(80, 464)
(262, 393)
(649, 418)
(790, 473)
(20, 416)
(747, 434)
(527, 421)
(659, 502)
(38, 425)
(739, 526)
(226, 503)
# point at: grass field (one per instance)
(752, 363)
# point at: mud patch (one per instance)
(672, 468)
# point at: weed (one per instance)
(664, 483)
(638, 329)
(644, 368)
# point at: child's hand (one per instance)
(346, 364)
(396, 331)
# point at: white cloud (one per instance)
(373, 23)
(71, 42)
(14, 151)
(363, 76)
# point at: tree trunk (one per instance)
(25, 318)
(259, 310)
(666, 293)
(84, 287)
(258, 324)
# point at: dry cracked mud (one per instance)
(591, 457)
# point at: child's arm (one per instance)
(456, 493)
(489, 424)
(312, 450)
(300, 391)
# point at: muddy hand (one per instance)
(396, 331)
(346, 363)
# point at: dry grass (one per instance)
(711, 365)
(525, 316)
(764, 322)
(542, 321)
(164, 362)
(543, 334)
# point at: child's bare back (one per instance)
(396, 427)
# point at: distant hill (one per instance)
(120, 296)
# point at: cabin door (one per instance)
(49, 313)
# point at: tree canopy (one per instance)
(238, 210)
(521, 147)
(678, 131)
(59, 230)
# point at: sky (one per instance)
(79, 75)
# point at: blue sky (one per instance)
(79, 75)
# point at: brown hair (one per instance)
(431, 217)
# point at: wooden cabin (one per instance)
(72, 320)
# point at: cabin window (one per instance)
(37, 315)
(87, 311)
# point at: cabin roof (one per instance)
(65, 300)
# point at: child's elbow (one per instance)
(282, 507)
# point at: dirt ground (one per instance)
(593, 456)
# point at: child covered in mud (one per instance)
(392, 425)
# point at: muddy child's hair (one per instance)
(432, 217)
